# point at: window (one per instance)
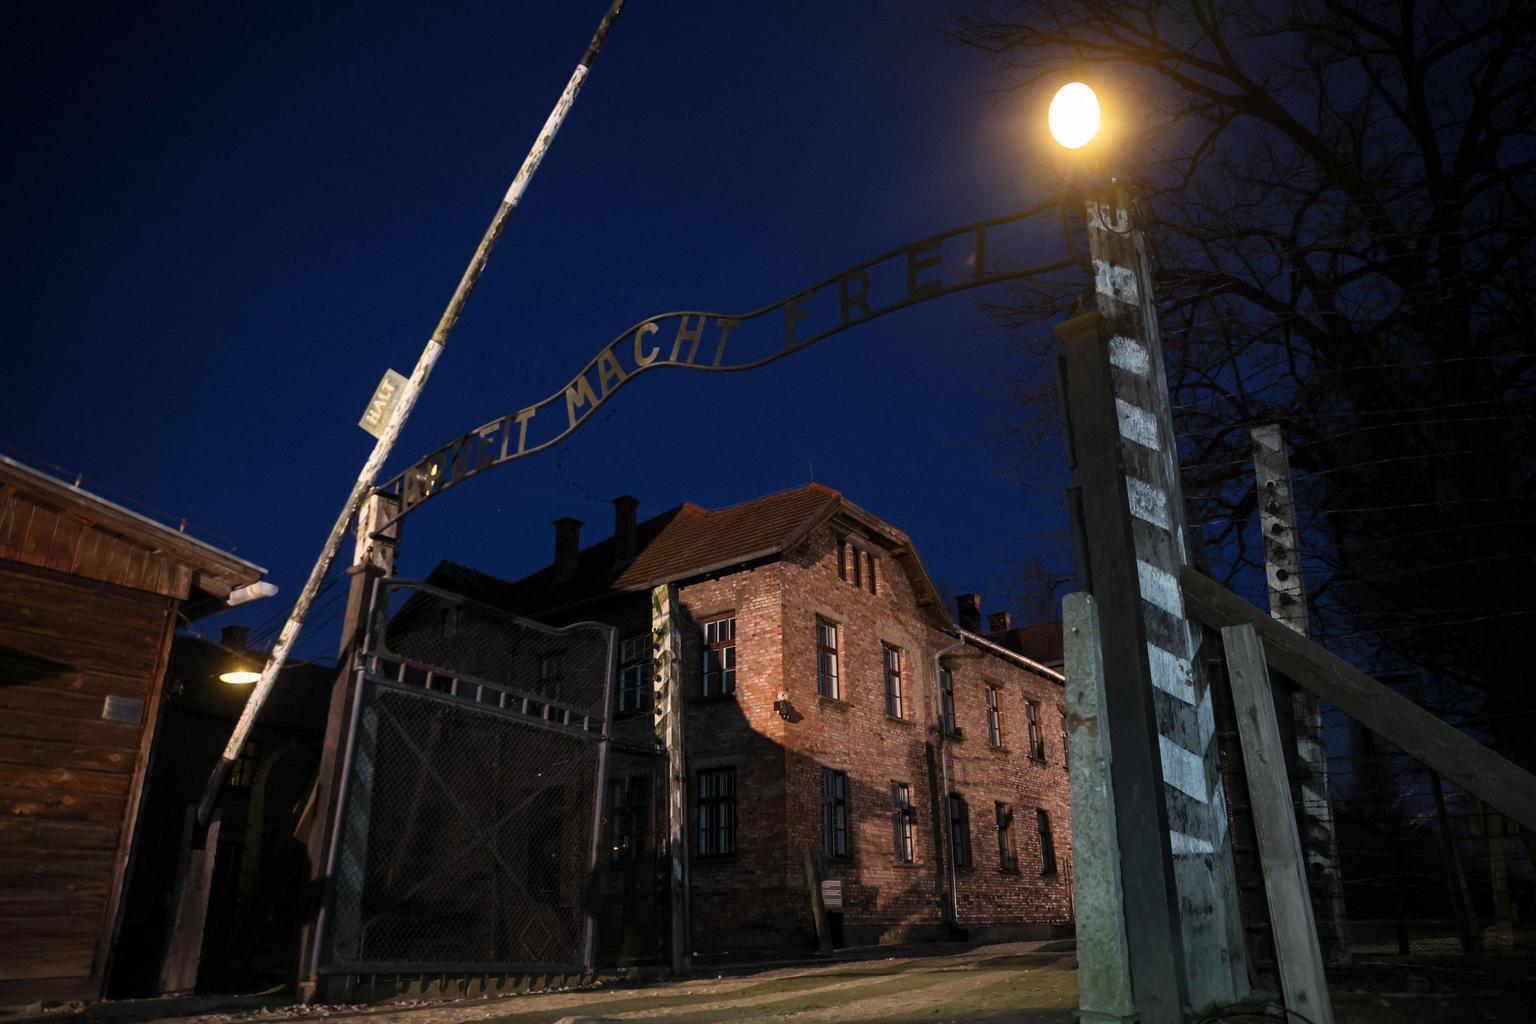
(826, 660)
(243, 772)
(994, 716)
(947, 701)
(1007, 859)
(1036, 742)
(628, 813)
(634, 674)
(720, 657)
(834, 813)
(893, 705)
(1063, 716)
(1047, 844)
(717, 812)
(901, 822)
(959, 830)
(856, 566)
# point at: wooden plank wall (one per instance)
(69, 779)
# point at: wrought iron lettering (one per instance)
(977, 254)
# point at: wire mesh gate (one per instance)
(475, 763)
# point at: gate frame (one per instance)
(320, 975)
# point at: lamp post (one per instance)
(1184, 942)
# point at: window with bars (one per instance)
(720, 657)
(1047, 844)
(1036, 740)
(1007, 857)
(634, 690)
(959, 830)
(994, 715)
(629, 801)
(902, 815)
(947, 701)
(827, 684)
(893, 697)
(717, 812)
(834, 813)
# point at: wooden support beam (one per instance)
(194, 879)
(1103, 953)
(1302, 981)
(1442, 747)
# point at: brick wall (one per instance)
(757, 896)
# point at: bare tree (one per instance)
(1340, 201)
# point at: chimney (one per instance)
(1001, 622)
(567, 545)
(238, 637)
(969, 606)
(624, 507)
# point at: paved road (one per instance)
(1001, 984)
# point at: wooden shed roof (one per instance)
(51, 524)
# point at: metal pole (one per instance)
(667, 717)
(412, 390)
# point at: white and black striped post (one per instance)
(1182, 920)
(1288, 604)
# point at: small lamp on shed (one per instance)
(241, 673)
(242, 669)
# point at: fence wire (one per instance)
(1425, 867)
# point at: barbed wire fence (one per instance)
(1427, 870)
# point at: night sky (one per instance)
(224, 222)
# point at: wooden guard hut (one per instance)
(89, 598)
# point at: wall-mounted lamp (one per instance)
(784, 708)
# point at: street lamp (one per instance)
(1161, 921)
(1074, 115)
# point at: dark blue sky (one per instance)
(223, 222)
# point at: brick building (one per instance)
(831, 704)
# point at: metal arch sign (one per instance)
(953, 261)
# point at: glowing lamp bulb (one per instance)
(240, 677)
(1074, 115)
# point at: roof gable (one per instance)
(688, 541)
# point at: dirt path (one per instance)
(1001, 984)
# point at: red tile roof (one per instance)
(680, 542)
(697, 539)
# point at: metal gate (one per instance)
(469, 820)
